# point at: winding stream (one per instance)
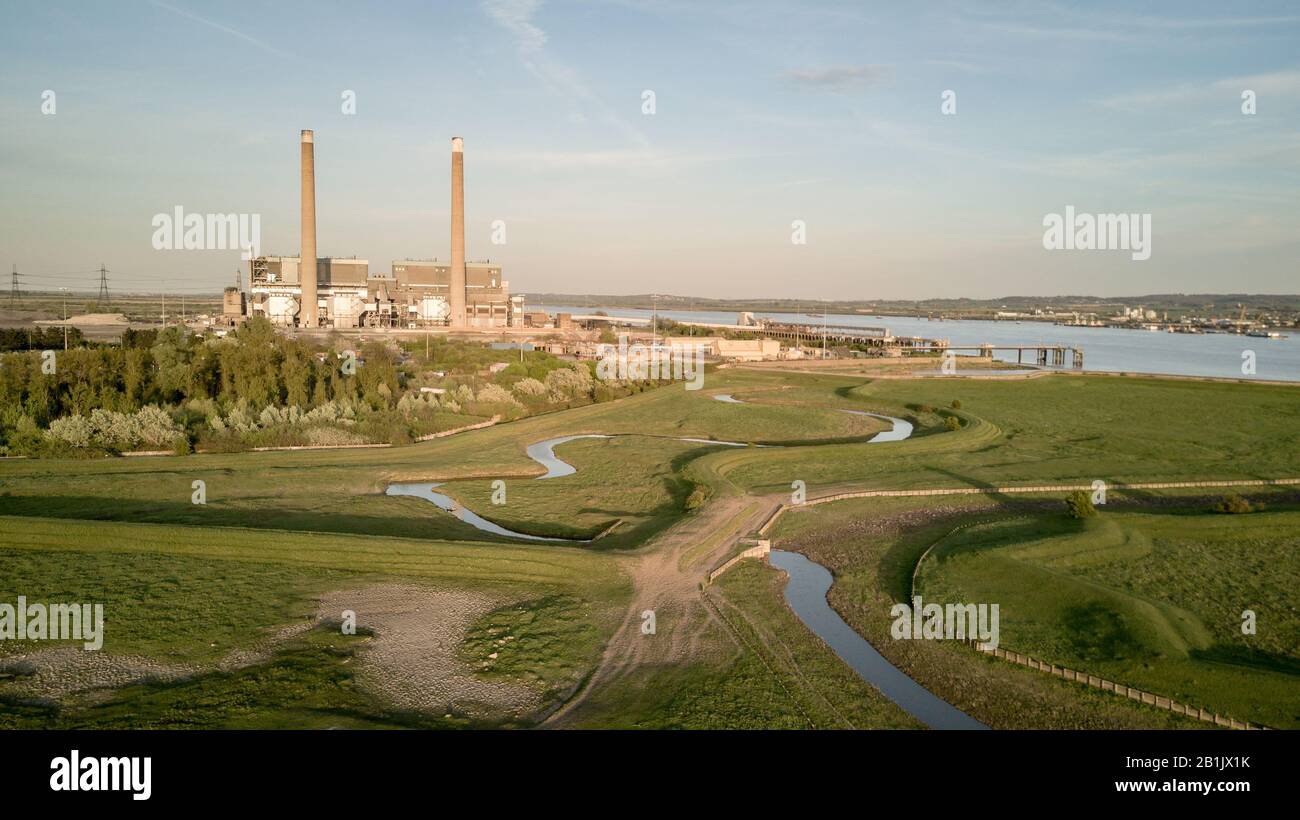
(902, 428)
(449, 504)
(806, 595)
(805, 592)
(543, 452)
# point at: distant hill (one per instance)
(1174, 303)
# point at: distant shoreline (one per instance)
(884, 314)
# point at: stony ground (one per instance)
(412, 663)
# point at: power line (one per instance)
(103, 289)
(127, 285)
(13, 291)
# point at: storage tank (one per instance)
(281, 309)
(345, 308)
(433, 308)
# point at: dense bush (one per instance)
(566, 383)
(109, 430)
(696, 499)
(530, 388)
(1079, 505)
(495, 394)
(1234, 504)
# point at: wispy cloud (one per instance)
(267, 47)
(839, 78)
(1277, 83)
(1053, 32)
(957, 65)
(1055, 21)
(1276, 151)
(517, 17)
(1208, 22)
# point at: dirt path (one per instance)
(667, 576)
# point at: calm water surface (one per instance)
(1104, 349)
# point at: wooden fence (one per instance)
(1151, 699)
(1046, 488)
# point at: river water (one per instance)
(448, 504)
(806, 595)
(543, 452)
(1105, 349)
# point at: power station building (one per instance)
(344, 293)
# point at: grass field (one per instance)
(1051, 429)
(1147, 594)
(1151, 599)
(638, 479)
(871, 546)
(177, 596)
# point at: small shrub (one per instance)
(495, 394)
(530, 388)
(1234, 504)
(952, 423)
(956, 404)
(332, 437)
(696, 499)
(1079, 505)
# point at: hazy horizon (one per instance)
(764, 114)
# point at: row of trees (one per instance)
(256, 387)
(254, 364)
(38, 338)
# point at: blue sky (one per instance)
(765, 113)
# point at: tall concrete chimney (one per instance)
(456, 290)
(307, 252)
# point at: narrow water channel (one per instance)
(902, 428)
(543, 452)
(447, 503)
(806, 595)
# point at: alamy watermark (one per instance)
(637, 362)
(102, 774)
(1098, 232)
(940, 622)
(179, 231)
(53, 622)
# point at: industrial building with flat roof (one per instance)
(344, 293)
